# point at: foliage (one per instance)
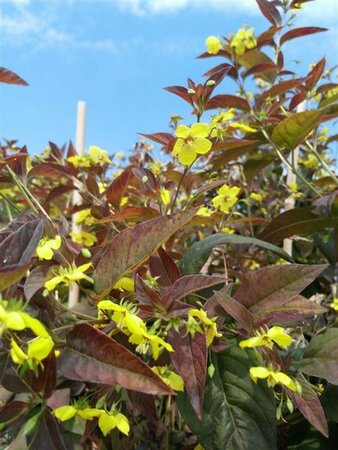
(194, 327)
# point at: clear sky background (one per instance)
(117, 55)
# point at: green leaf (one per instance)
(194, 259)
(133, 246)
(291, 131)
(321, 357)
(237, 413)
(296, 221)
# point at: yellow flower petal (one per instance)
(65, 412)
(213, 44)
(40, 348)
(18, 356)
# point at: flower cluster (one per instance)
(213, 44)
(108, 420)
(12, 318)
(94, 157)
(244, 40)
(133, 326)
(46, 246)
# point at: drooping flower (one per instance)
(109, 421)
(273, 377)
(145, 339)
(213, 44)
(67, 275)
(220, 123)
(209, 325)
(242, 41)
(227, 197)
(170, 378)
(267, 338)
(124, 316)
(191, 141)
(46, 246)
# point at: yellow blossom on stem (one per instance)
(85, 216)
(145, 339)
(243, 127)
(165, 196)
(109, 421)
(46, 246)
(204, 211)
(334, 304)
(267, 338)
(191, 141)
(227, 197)
(84, 238)
(220, 123)
(98, 156)
(124, 317)
(273, 377)
(209, 325)
(242, 41)
(125, 284)
(67, 275)
(213, 44)
(255, 196)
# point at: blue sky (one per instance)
(117, 55)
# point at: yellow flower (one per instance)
(124, 317)
(273, 377)
(68, 275)
(191, 141)
(18, 356)
(273, 335)
(220, 123)
(109, 421)
(209, 325)
(125, 284)
(243, 127)
(228, 230)
(84, 216)
(213, 44)
(67, 412)
(19, 320)
(226, 198)
(144, 340)
(170, 378)
(242, 41)
(204, 211)
(311, 162)
(46, 246)
(255, 196)
(165, 196)
(40, 347)
(98, 156)
(84, 238)
(334, 304)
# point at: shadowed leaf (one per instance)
(270, 12)
(194, 259)
(321, 357)
(299, 32)
(94, 357)
(190, 361)
(237, 414)
(118, 187)
(47, 435)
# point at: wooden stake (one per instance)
(74, 291)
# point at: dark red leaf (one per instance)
(228, 101)
(315, 74)
(44, 381)
(223, 70)
(49, 170)
(163, 268)
(133, 246)
(190, 361)
(145, 404)
(296, 100)
(235, 309)
(261, 68)
(138, 213)
(298, 32)
(47, 435)
(309, 405)
(92, 356)
(9, 77)
(281, 88)
(270, 12)
(181, 91)
(13, 412)
(161, 138)
(145, 294)
(115, 191)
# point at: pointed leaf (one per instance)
(321, 357)
(296, 221)
(271, 287)
(94, 357)
(133, 246)
(194, 259)
(118, 187)
(35, 281)
(299, 32)
(237, 414)
(9, 77)
(137, 213)
(235, 309)
(309, 405)
(228, 101)
(190, 361)
(294, 129)
(47, 435)
(270, 12)
(163, 268)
